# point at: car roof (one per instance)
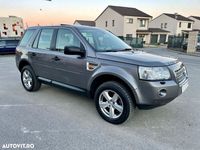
(63, 25)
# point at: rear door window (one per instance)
(27, 37)
(45, 39)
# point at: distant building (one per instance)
(84, 22)
(123, 21)
(11, 26)
(176, 24)
(130, 22)
(196, 19)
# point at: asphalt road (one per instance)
(58, 119)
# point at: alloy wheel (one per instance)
(111, 104)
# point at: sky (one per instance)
(43, 12)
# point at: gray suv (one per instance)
(94, 61)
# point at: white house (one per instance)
(84, 22)
(174, 23)
(123, 21)
(196, 20)
(126, 22)
(11, 26)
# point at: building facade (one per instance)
(130, 22)
(176, 24)
(11, 26)
(196, 19)
(123, 21)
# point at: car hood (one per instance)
(136, 58)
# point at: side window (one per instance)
(35, 43)
(26, 37)
(45, 39)
(67, 38)
(89, 37)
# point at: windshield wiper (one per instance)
(111, 51)
(126, 49)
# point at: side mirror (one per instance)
(72, 50)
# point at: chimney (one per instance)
(176, 15)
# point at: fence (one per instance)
(133, 42)
(176, 42)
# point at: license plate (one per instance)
(184, 87)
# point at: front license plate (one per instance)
(184, 87)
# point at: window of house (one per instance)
(179, 24)
(161, 25)
(129, 35)
(45, 39)
(66, 37)
(106, 23)
(189, 25)
(5, 33)
(130, 20)
(113, 23)
(165, 25)
(4, 27)
(142, 23)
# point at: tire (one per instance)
(29, 79)
(113, 102)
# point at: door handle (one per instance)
(56, 58)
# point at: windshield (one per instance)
(103, 41)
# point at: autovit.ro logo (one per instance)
(18, 146)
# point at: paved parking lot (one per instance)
(59, 119)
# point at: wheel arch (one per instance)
(102, 78)
(23, 63)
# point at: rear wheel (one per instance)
(29, 79)
(113, 102)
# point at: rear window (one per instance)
(2, 43)
(26, 37)
(12, 42)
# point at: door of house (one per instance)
(154, 38)
(162, 38)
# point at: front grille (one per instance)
(181, 74)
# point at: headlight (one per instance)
(154, 73)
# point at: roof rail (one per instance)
(64, 24)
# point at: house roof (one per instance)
(196, 17)
(126, 11)
(178, 17)
(153, 30)
(85, 22)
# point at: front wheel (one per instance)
(113, 102)
(29, 79)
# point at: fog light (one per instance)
(162, 93)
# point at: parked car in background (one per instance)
(8, 45)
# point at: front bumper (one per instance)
(154, 94)
(157, 93)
